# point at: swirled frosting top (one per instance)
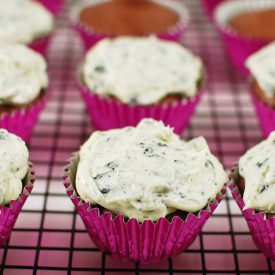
(257, 167)
(141, 70)
(23, 21)
(13, 166)
(23, 74)
(147, 172)
(262, 67)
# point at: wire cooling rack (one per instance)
(49, 237)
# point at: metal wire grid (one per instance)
(49, 237)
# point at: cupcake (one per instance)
(26, 22)
(95, 20)
(210, 5)
(245, 26)
(16, 181)
(254, 190)
(143, 193)
(126, 79)
(262, 68)
(23, 83)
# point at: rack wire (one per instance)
(50, 238)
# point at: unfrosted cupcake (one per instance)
(126, 79)
(16, 181)
(254, 190)
(262, 68)
(245, 26)
(133, 185)
(95, 19)
(27, 22)
(23, 84)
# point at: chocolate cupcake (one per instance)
(254, 190)
(26, 22)
(23, 83)
(245, 26)
(126, 79)
(16, 181)
(144, 180)
(262, 68)
(95, 19)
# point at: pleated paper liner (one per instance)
(209, 6)
(262, 228)
(266, 116)
(90, 37)
(9, 213)
(129, 240)
(41, 45)
(54, 6)
(22, 121)
(107, 114)
(238, 46)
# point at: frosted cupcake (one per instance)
(126, 79)
(95, 20)
(245, 26)
(16, 181)
(27, 22)
(262, 68)
(23, 84)
(254, 190)
(133, 185)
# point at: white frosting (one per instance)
(141, 70)
(22, 74)
(257, 167)
(23, 21)
(262, 66)
(14, 157)
(147, 172)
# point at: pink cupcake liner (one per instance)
(266, 116)
(238, 47)
(129, 240)
(262, 229)
(54, 6)
(107, 114)
(9, 213)
(210, 5)
(90, 37)
(41, 45)
(22, 122)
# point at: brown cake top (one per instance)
(256, 24)
(129, 17)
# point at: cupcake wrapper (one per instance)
(210, 5)
(41, 45)
(91, 37)
(9, 214)
(108, 114)
(54, 6)
(266, 116)
(262, 229)
(131, 241)
(22, 122)
(239, 47)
